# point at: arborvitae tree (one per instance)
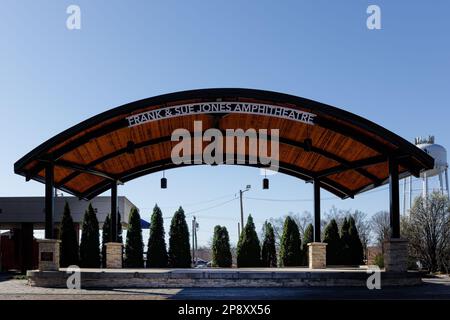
(69, 243)
(106, 237)
(334, 244)
(221, 252)
(90, 240)
(269, 254)
(356, 247)
(157, 252)
(308, 237)
(179, 247)
(345, 256)
(290, 248)
(248, 248)
(134, 246)
(119, 228)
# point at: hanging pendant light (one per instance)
(163, 181)
(130, 147)
(265, 182)
(308, 145)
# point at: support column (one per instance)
(317, 255)
(114, 211)
(114, 248)
(49, 200)
(316, 211)
(394, 197)
(317, 251)
(113, 255)
(396, 255)
(395, 249)
(49, 254)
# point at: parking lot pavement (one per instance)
(436, 288)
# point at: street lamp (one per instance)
(248, 187)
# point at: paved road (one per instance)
(438, 288)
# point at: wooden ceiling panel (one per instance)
(380, 170)
(83, 182)
(350, 179)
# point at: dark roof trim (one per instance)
(410, 155)
(314, 106)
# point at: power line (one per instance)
(285, 200)
(309, 199)
(194, 203)
(208, 208)
(212, 207)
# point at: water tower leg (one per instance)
(404, 196)
(446, 182)
(425, 186)
(441, 183)
(410, 193)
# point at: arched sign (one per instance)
(221, 108)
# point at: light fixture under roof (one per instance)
(308, 145)
(265, 181)
(163, 181)
(130, 147)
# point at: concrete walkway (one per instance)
(437, 288)
(362, 269)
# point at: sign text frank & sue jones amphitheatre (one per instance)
(221, 107)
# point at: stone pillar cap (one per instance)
(48, 240)
(114, 244)
(317, 244)
(396, 240)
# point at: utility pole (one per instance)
(239, 230)
(196, 227)
(193, 242)
(242, 205)
(194, 239)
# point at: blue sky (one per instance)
(52, 78)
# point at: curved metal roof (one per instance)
(346, 153)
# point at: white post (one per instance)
(410, 192)
(425, 185)
(404, 196)
(441, 183)
(446, 179)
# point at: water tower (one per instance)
(439, 153)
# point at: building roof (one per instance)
(16, 210)
(346, 153)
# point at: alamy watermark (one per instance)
(74, 280)
(73, 21)
(373, 21)
(228, 147)
(374, 280)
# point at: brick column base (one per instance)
(396, 255)
(317, 255)
(114, 255)
(49, 254)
